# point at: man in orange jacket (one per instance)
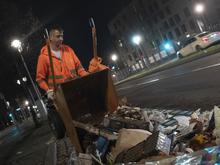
(65, 62)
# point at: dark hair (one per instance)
(55, 27)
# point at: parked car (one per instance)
(198, 42)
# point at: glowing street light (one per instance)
(167, 46)
(18, 82)
(7, 103)
(114, 57)
(24, 79)
(199, 8)
(10, 115)
(16, 44)
(26, 102)
(137, 39)
(34, 106)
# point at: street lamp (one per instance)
(137, 39)
(21, 82)
(18, 82)
(26, 102)
(24, 79)
(199, 9)
(17, 44)
(114, 57)
(167, 46)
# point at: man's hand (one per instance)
(50, 94)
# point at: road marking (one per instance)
(155, 80)
(129, 86)
(148, 82)
(206, 67)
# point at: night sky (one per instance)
(72, 16)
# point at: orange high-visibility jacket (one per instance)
(66, 68)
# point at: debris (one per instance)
(145, 135)
(85, 159)
(157, 143)
(128, 138)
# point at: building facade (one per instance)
(159, 22)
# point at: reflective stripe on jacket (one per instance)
(66, 68)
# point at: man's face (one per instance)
(56, 38)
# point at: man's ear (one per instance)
(50, 38)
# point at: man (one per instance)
(65, 62)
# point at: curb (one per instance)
(51, 155)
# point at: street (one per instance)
(191, 85)
(25, 144)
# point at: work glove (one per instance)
(50, 94)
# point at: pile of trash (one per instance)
(157, 135)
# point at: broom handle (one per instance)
(94, 38)
(50, 58)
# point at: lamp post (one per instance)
(26, 102)
(21, 82)
(18, 45)
(114, 57)
(137, 41)
(199, 10)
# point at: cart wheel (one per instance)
(56, 124)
